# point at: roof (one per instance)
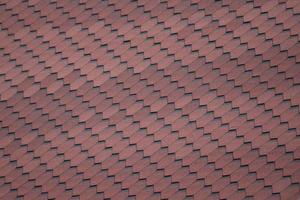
(149, 99)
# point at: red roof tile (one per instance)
(149, 99)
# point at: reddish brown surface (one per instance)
(123, 99)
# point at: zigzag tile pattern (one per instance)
(149, 99)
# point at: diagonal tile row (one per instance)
(149, 100)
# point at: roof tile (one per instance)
(201, 99)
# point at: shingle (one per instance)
(159, 94)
